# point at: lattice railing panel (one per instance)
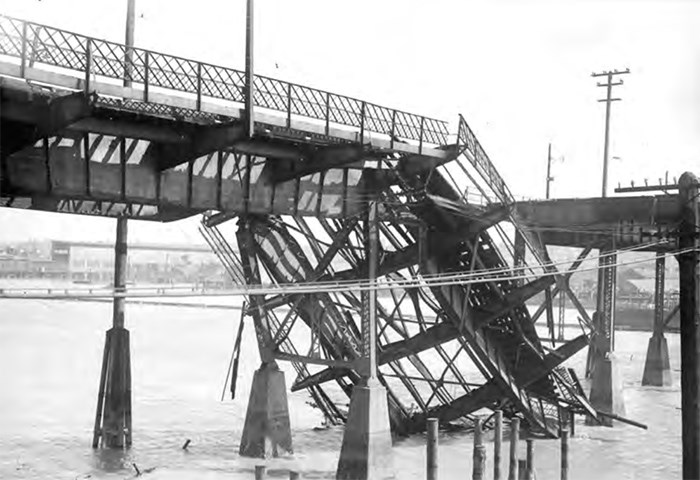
(271, 93)
(51, 46)
(11, 36)
(221, 82)
(173, 72)
(108, 59)
(309, 102)
(55, 47)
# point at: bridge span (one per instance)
(338, 195)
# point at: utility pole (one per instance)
(690, 333)
(249, 95)
(549, 169)
(129, 42)
(608, 100)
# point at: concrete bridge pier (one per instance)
(366, 453)
(267, 429)
(606, 381)
(113, 417)
(657, 368)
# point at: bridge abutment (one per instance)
(267, 429)
(113, 417)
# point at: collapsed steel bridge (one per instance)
(172, 145)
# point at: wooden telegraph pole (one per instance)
(689, 296)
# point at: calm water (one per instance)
(50, 355)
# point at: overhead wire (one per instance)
(327, 287)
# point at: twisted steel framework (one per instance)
(444, 350)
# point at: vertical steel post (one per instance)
(23, 64)
(362, 124)
(129, 42)
(562, 312)
(146, 75)
(370, 335)
(289, 106)
(328, 113)
(519, 256)
(199, 86)
(88, 64)
(249, 93)
(690, 333)
(420, 142)
(657, 368)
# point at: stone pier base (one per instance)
(657, 368)
(267, 431)
(606, 388)
(366, 453)
(113, 417)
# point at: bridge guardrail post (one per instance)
(362, 123)
(393, 129)
(199, 86)
(420, 139)
(88, 64)
(23, 65)
(328, 113)
(146, 68)
(289, 105)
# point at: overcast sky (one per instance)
(519, 71)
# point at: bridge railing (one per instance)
(33, 44)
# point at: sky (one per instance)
(519, 72)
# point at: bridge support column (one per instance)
(113, 417)
(606, 382)
(657, 368)
(267, 429)
(366, 451)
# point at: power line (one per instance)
(424, 281)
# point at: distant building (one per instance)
(93, 262)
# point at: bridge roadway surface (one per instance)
(171, 145)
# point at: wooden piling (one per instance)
(479, 467)
(530, 460)
(432, 447)
(514, 439)
(260, 472)
(497, 441)
(564, 454)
